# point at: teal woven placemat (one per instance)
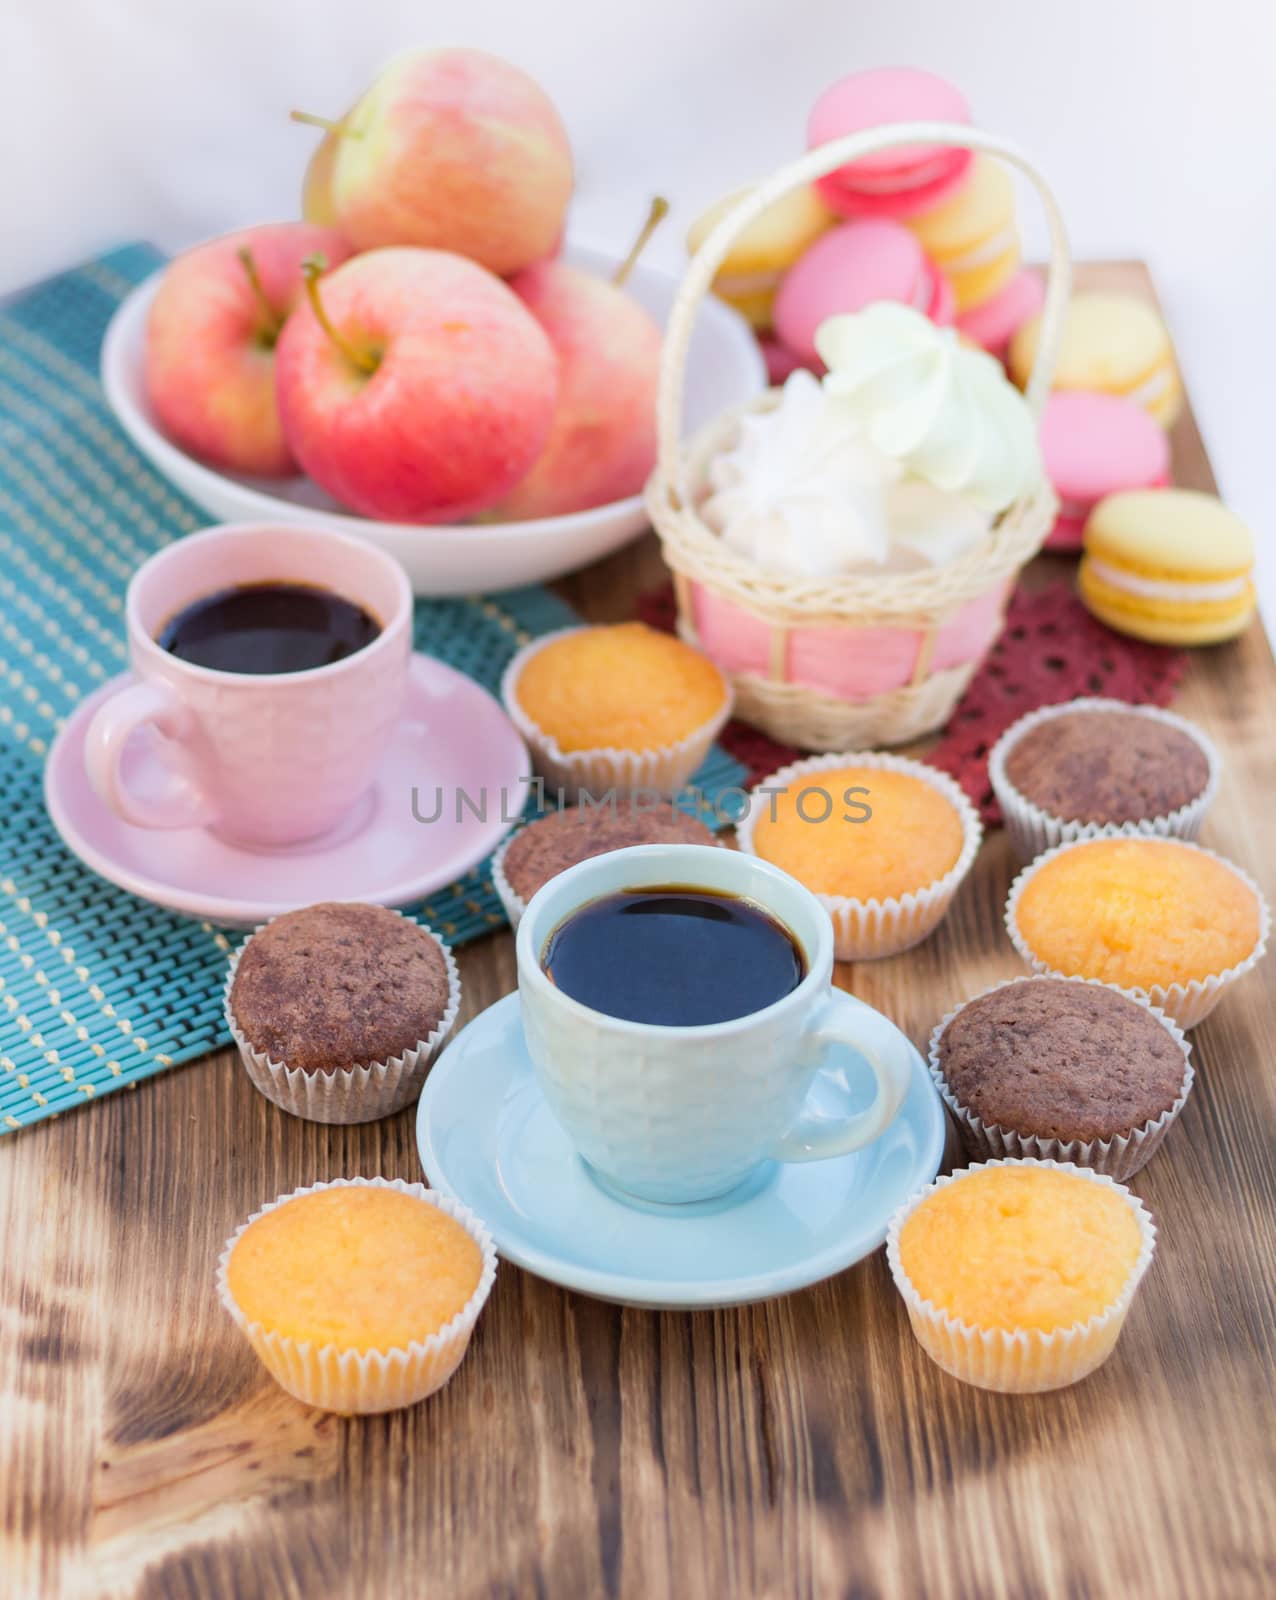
(99, 990)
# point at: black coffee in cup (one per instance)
(674, 955)
(268, 628)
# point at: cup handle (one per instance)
(843, 1020)
(181, 802)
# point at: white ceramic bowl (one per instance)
(725, 368)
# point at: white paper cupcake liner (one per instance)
(600, 772)
(358, 1093)
(1119, 1157)
(868, 930)
(356, 1381)
(1184, 1003)
(513, 904)
(1033, 830)
(1026, 1361)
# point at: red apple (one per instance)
(415, 386)
(603, 442)
(450, 150)
(210, 343)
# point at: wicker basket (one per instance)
(847, 662)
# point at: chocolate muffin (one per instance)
(334, 987)
(1102, 766)
(1060, 1059)
(560, 839)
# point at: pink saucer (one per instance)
(849, 268)
(453, 737)
(1095, 445)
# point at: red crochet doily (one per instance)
(1051, 649)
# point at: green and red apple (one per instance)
(211, 337)
(602, 445)
(415, 386)
(448, 150)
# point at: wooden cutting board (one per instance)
(802, 1447)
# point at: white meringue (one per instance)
(803, 490)
(947, 414)
(931, 527)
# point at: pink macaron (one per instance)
(849, 268)
(995, 323)
(902, 182)
(781, 363)
(1095, 445)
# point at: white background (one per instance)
(1155, 123)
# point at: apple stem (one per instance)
(313, 268)
(274, 322)
(337, 129)
(655, 216)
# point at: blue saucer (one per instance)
(486, 1136)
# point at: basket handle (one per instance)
(818, 163)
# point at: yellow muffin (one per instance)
(1018, 1275)
(913, 837)
(1137, 912)
(620, 687)
(356, 1266)
(1013, 1247)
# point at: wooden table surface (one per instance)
(801, 1447)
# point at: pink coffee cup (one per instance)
(262, 759)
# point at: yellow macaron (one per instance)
(1171, 565)
(1115, 343)
(972, 238)
(763, 253)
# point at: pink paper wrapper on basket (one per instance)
(853, 666)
